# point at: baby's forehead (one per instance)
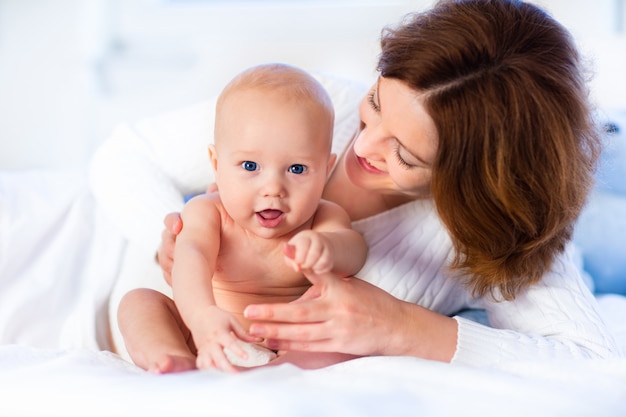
(305, 141)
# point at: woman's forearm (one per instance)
(421, 333)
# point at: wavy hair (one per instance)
(518, 145)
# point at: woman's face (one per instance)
(395, 149)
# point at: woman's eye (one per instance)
(249, 165)
(401, 161)
(297, 169)
(371, 98)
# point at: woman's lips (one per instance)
(367, 166)
(269, 218)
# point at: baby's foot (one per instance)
(171, 363)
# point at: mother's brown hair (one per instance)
(517, 141)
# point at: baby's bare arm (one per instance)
(195, 257)
(330, 245)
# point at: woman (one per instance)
(474, 158)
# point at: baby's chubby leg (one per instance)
(155, 336)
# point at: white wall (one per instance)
(72, 69)
(41, 89)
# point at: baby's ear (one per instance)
(331, 162)
(213, 156)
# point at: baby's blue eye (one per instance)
(297, 169)
(249, 165)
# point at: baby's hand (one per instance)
(309, 250)
(218, 331)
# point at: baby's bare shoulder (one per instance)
(330, 213)
(204, 206)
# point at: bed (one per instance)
(61, 262)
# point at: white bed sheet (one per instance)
(37, 382)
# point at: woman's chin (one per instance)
(359, 179)
(358, 175)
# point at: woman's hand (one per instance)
(165, 254)
(351, 316)
(336, 314)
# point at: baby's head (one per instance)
(260, 87)
(272, 151)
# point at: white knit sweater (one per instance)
(141, 172)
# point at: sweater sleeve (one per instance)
(555, 318)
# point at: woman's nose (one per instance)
(367, 144)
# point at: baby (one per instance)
(249, 241)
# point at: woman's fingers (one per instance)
(304, 324)
(173, 223)
(211, 188)
(311, 307)
(312, 337)
(338, 315)
(165, 254)
(296, 312)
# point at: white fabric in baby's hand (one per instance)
(257, 355)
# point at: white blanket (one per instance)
(84, 383)
(59, 259)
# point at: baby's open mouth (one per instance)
(269, 217)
